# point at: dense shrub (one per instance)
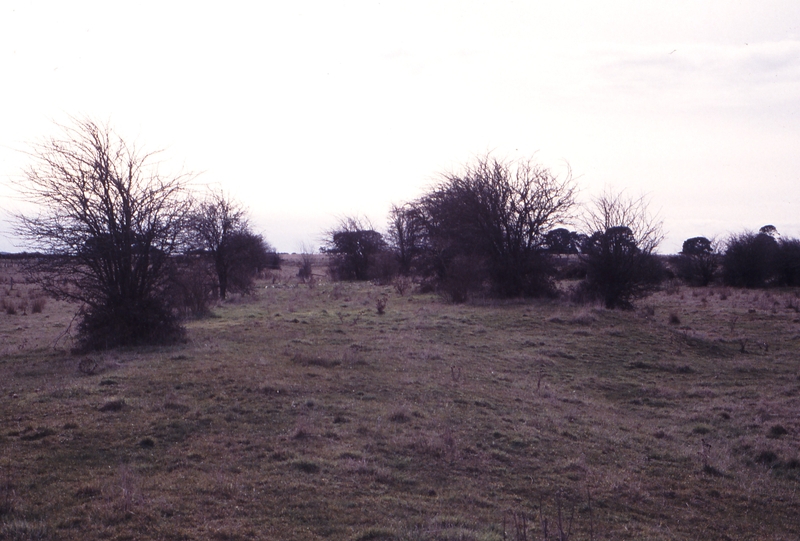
(750, 260)
(787, 263)
(563, 241)
(353, 247)
(617, 270)
(485, 227)
(698, 261)
(132, 323)
(191, 286)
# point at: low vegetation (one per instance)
(328, 410)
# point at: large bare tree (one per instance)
(106, 225)
(618, 209)
(497, 212)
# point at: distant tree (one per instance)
(749, 260)
(618, 251)
(697, 246)
(107, 223)
(563, 241)
(612, 209)
(493, 216)
(698, 261)
(353, 246)
(406, 236)
(770, 231)
(248, 255)
(219, 228)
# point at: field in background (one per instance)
(300, 412)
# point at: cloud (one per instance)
(702, 75)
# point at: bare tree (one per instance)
(108, 222)
(496, 214)
(219, 227)
(406, 235)
(612, 209)
(618, 251)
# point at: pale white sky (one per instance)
(306, 111)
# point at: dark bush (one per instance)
(787, 262)
(617, 270)
(698, 261)
(383, 267)
(219, 228)
(353, 248)
(750, 260)
(133, 323)
(563, 241)
(248, 255)
(487, 225)
(191, 290)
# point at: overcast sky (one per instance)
(307, 111)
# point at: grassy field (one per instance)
(302, 413)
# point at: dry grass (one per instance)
(302, 413)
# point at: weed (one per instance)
(87, 366)
(380, 304)
(401, 284)
(674, 319)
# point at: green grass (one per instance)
(302, 413)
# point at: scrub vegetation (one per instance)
(312, 409)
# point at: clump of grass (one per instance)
(147, 443)
(9, 307)
(23, 529)
(776, 431)
(116, 404)
(400, 416)
(87, 366)
(38, 304)
(674, 319)
(767, 458)
(37, 434)
(306, 466)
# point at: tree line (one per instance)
(501, 228)
(137, 248)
